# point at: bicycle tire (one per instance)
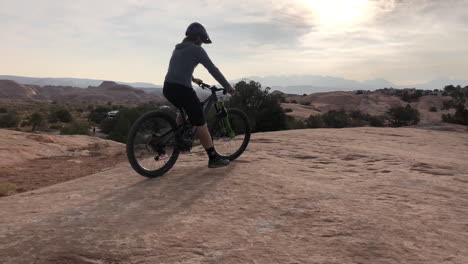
(245, 142)
(131, 141)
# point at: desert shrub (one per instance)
(433, 109)
(119, 127)
(446, 105)
(60, 115)
(3, 110)
(377, 121)
(403, 116)
(304, 103)
(460, 116)
(36, 119)
(24, 123)
(315, 121)
(76, 128)
(7, 189)
(98, 114)
(55, 127)
(336, 119)
(293, 102)
(359, 92)
(262, 107)
(11, 119)
(288, 110)
(294, 123)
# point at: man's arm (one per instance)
(212, 69)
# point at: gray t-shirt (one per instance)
(186, 56)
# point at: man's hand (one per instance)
(231, 90)
(197, 81)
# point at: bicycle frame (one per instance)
(207, 104)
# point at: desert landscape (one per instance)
(354, 195)
(356, 113)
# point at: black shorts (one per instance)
(185, 98)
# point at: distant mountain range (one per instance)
(73, 82)
(106, 91)
(300, 84)
(292, 84)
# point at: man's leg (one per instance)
(204, 135)
(215, 161)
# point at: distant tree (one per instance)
(315, 121)
(295, 123)
(262, 107)
(336, 119)
(76, 128)
(11, 119)
(60, 115)
(119, 127)
(403, 116)
(36, 119)
(377, 121)
(98, 115)
(460, 116)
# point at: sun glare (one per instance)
(338, 12)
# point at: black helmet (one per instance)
(196, 29)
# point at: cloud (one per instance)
(402, 40)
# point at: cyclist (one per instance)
(178, 85)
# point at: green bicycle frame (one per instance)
(225, 124)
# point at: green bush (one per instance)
(76, 128)
(55, 127)
(377, 121)
(98, 115)
(262, 107)
(315, 121)
(294, 123)
(460, 116)
(36, 119)
(7, 189)
(336, 119)
(119, 127)
(60, 115)
(11, 119)
(3, 110)
(403, 116)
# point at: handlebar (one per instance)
(212, 88)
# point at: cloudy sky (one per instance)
(403, 41)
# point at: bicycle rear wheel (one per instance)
(231, 140)
(152, 149)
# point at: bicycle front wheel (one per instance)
(231, 134)
(152, 149)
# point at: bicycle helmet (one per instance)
(196, 29)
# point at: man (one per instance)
(178, 85)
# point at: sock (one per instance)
(211, 153)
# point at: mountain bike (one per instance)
(156, 140)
